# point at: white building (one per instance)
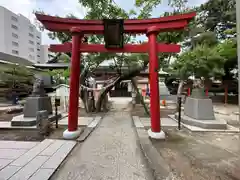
(44, 54)
(18, 37)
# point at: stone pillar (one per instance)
(72, 132)
(155, 131)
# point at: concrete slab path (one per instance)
(111, 152)
(32, 160)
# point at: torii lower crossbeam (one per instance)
(128, 48)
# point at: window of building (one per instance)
(38, 55)
(14, 51)
(31, 35)
(14, 27)
(38, 37)
(31, 49)
(31, 42)
(15, 43)
(14, 35)
(38, 49)
(14, 19)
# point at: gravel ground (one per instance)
(201, 156)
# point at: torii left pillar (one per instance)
(155, 131)
(73, 132)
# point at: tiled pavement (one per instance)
(32, 160)
(111, 152)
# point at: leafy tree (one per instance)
(203, 62)
(218, 16)
(228, 50)
(15, 78)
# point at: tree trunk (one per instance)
(179, 91)
(180, 88)
(226, 94)
(141, 97)
(104, 92)
(120, 78)
(84, 99)
(84, 93)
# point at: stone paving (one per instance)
(82, 121)
(32, 160)
(165, 122)
(111, 152)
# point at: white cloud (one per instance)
(24, 7)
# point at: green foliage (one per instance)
(202, 61)
(228, 49)
(206, 38)
(12, 76)
(148, 5)
(218, 16)
(182, 67)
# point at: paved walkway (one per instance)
(111, 152)
(32, 160)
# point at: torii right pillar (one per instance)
(155, 131)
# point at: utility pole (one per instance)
(238, 50)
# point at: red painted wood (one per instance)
(154, 85)
(131, 29)
(74, 85)
(128, 48)
(54, 19)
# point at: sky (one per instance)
(65, 7)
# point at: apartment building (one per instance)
(19, 37)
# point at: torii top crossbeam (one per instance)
(133, 26)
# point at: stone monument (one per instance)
(198, 111)
(38, 100)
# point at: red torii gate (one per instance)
(150, 27)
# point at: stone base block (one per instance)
(199, 108)
(30, 121)
(206, 124)
(35, 104)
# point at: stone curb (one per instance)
(160, 168)
(89, 129)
